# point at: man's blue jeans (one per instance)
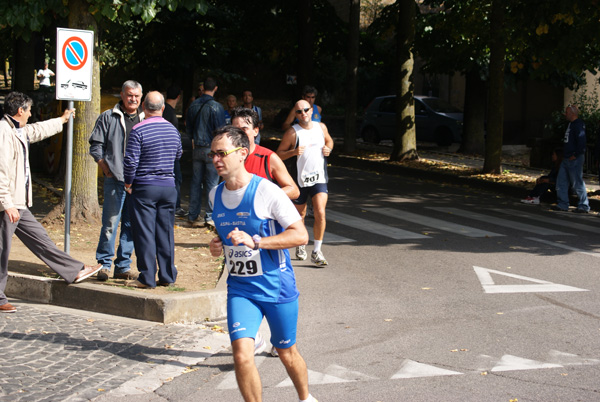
(202, 170)
(570, 174)
(115, 210)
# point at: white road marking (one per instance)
(489, 286)
(433, 222)
(329, 237)
(314, 378)
(513, 363)
(373, 227)
(501, 222)
(564, 246)
(413, 369)
(569, 359)
(560, 222)
(342, 372)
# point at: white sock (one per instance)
(318, 245)
(310, 399)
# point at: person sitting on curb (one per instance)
(547, 182)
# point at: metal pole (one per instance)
(68, 175)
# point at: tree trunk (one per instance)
(84, 194)
(405, 143)
(352, 77)
(473, 136)
(493, 144)
(305, 44)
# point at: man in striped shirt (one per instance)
(152, 148)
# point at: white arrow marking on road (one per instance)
(513, 363)
(229, 381)
(564, 246)
(314, 378)
(489, 286)
(568, 359)
(373, 227)
(413, 369)
(342, 372)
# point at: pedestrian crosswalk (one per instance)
(424, 224)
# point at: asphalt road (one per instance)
(432, 293)
(436, 293)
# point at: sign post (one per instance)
(73, 82)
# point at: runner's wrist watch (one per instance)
(256, 238)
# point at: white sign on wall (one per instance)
(74, 61)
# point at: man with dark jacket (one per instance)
(204, 116)
(107, 147)
(570, 173)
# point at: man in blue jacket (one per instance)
(203, 117)
(570, 173)
(107, 147)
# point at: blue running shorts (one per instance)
(244, 317)
(312, 191)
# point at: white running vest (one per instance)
(312, 167)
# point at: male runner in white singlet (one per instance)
(310, 143)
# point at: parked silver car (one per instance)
(436, 120)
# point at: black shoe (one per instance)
(557, 208)
(580, 211)
(103, 275)
(166, 284)
(181, 212)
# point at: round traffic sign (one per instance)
(74, 53)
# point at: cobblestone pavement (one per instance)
(50, 353)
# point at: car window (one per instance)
(388, 105)
(420, 107)
(440, 105)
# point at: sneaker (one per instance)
(181, 212)
(259, 344)
(209, 223)
(581, 211)
(557, 208)
(531, 200)
(317, 258)
(301, 253)
(274, 352)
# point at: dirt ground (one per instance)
(197, 269)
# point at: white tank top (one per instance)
(312, 167)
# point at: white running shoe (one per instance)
(301, 253)
(259, 344)
(531, 200)
(317, 258)
(274, 352)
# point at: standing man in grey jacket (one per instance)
(107, 147)
(16, 195)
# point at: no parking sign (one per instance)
(74, 55)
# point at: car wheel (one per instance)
(443, 136)
(370, 135)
